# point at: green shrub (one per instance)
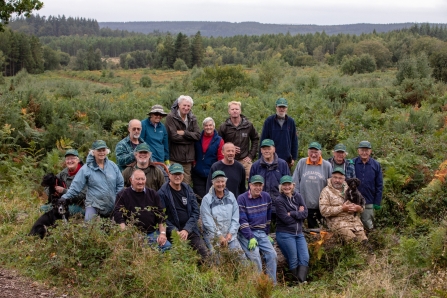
(224, 78)
(69, 89)
(145, 82)
(179, 64)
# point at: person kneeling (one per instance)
(143, 206)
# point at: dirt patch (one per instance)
(15, 286)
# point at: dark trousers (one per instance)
(199, 185)
(313, 218)
(196, 242)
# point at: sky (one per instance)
(318, 12)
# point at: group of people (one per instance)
(150, 185)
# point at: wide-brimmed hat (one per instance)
(157, 109)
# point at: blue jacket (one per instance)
(285, 137)
(204, 162)
(219, 216)
(272, 173)
(370, 175)
(167, 202)
(125, 153)
(157, 139)
(102, 185)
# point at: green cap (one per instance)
(72, 152)
(338, 170)
(364, 144)
(286, 179)
(340, 147)
(281, 102)
(267, 143)
(218, 174)
(314, 145)
(176, 168)
(257, 179)
(99, 144)
(143, 147)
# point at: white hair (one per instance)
(208, 119)
(90, 152)
(280, 188)
(343, 152)
(185, 97)
(219, 177)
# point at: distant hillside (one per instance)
(226, 29)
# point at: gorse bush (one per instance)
(145, 82)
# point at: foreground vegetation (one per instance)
(402, 112)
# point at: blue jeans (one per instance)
(264, 247)
(294, 248)
(152, 239)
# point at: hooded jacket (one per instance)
(181, 148)
(102, 185)
(172, 221)
(241, 136)
(219, 216)
(271, 173)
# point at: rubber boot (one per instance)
(302, 273)
(294, 273)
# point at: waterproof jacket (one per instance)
(102, 185)
(348, 166)
(167, 202)
(125, 152)
(293, 223)
(241, 136)
(219, 216)
(181, 148)
(205, 161)
(331, 202)
(157, 139)
(285, 137)
(370, 175)
(271, 173)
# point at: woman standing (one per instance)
(208, 150)
(291, 212)
(103, 180)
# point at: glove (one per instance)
(252, 243)
(271, 240)
(167, 162)
(377, 207)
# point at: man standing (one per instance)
(282, 130)
(233, 169)
(310, 177)
(124, 149)
(254, 216)
(341, 216)
(271, 168)
(182, 210)
(142, 207)
(183, 132)
(155, 135)
(369, 171)
(241, 132)
(338, 159)
(154, 176)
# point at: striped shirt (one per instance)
(254, 213)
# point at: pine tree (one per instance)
(197, 50)
(182, 49)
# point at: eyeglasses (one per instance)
(136, 128)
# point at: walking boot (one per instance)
(302, 273)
